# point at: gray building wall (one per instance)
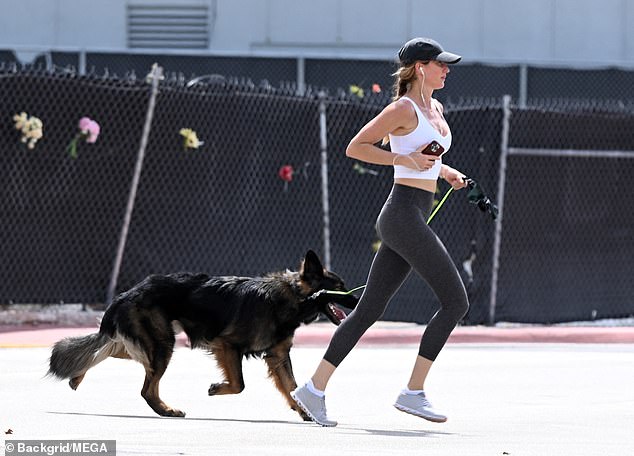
(578, 33)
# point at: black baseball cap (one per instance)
(425, 49)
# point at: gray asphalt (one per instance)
(522, 399)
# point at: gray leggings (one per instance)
(407, 242)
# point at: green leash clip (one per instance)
(343, 293)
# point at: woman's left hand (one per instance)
(454, 177)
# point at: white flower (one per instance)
(30, 127)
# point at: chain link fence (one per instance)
(568, 226)
(560, 251)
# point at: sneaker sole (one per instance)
(418, 414)
(310, 415)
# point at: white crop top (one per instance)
(424, 133)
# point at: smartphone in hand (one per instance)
(433, 148)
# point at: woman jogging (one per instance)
(415, 126)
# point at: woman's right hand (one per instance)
(417, 160)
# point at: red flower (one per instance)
(286, 173)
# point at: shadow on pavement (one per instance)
(156, 417)
(402, 433)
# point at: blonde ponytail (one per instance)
(403, 78)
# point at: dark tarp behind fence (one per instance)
(566, 239)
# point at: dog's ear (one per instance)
(311, 266)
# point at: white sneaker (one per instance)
(417, 404)
(313, 405)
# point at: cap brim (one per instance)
(448, 57)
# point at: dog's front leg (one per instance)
(278, 360)
(230, 362)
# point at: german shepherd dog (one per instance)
(231, 317)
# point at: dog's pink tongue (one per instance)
(340, 314)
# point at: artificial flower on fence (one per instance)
(286, 173)
(30, 127)
(360, 169)
(359, 92)
(88, 131)
(356, 90)
(190, 139)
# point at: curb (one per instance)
(481, 334)
(319, 334)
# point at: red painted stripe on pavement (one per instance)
(320, 335)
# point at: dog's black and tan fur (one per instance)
(232, 317)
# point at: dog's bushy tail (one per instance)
(73, 356)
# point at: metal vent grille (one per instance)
(168, 26)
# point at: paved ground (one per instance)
(503, 398)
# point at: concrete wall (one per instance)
(552, 32)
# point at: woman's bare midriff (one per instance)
(423, 184)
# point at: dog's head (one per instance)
(317, 282)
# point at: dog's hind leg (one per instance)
(158, 362)
(278, 361)
(230, 362)
(75, 381)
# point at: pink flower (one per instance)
(93, 132)
(90, 128)
(84, 122)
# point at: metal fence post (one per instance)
(301, 76)
(48, 58)
(523, 86)
(156, 75)
(323, 140)
(82, 62)
(504, 150)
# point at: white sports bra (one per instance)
(424, 133)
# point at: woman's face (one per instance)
(435, 74)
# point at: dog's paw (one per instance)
(76, 380)
(225, 388)
(172, 413)
(302, 413)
